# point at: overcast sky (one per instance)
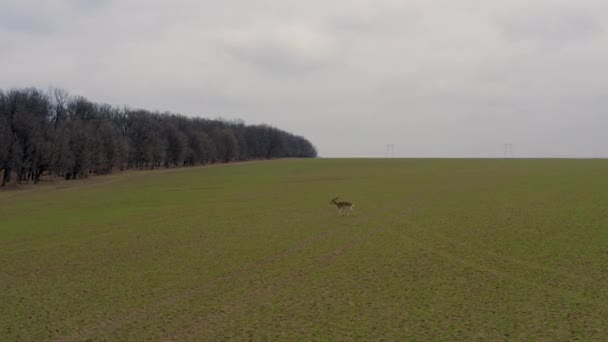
(435, 78)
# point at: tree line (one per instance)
(53, 133)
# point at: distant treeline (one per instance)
(52, 133)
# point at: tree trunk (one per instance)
(20, 176)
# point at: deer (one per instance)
(342, 206)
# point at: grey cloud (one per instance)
(440, 78)
(90, 4)
(550, 25)
(289, 49)
(389, 22)
(44, 18)
(16, 21)
(275, 59)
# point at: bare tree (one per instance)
(71, 137)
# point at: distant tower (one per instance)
(390, 150)
(508, 150)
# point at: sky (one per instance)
(434, 78)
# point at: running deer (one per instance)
(342, 206)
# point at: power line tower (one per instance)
(508, 150)
(390, 150)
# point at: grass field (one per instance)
(436, 249)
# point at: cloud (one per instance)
(18, 18)
(283, 50)
(90, 4)
(435, 78)
(550, 25)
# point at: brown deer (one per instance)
(342, 206)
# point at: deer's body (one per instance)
(342, 206)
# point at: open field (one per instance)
(436, 249)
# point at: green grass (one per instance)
(436, 250)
